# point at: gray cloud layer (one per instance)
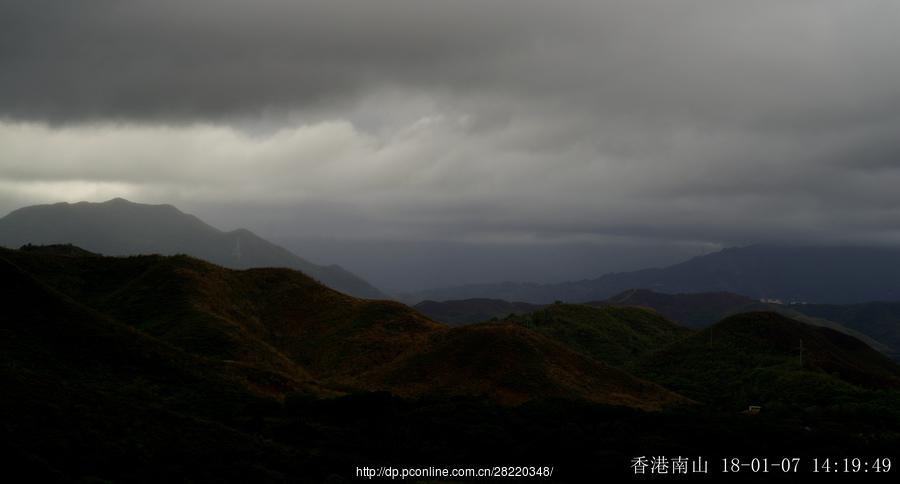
(506, 121)
(819, 62)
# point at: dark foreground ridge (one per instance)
(151, 368)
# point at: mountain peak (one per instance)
(125, 203)
(122, 227)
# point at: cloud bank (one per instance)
(496, 121)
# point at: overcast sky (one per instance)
(663, 128)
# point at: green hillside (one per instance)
(512, 365)
(699, 310)
(276, 319)
(877, 320)
(158, 369)
(281, 322)
(614, 335)
(768, 359)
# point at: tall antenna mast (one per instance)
(237, 249)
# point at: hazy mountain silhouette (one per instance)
(835, 275)
(120, 227)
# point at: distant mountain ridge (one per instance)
(121, 227)
(834, 275)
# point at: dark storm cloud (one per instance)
(750, 62)
(492, 121)
(175, 59)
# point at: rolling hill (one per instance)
(877, 320)
(765, 358)
(296, 333)
(700, 310)
(876, 324)
(156, 368)
(120, 227)
(274, 319)
(836, 275)
(510, 364)
(696, 310)
(615, 335)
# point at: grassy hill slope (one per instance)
(699, 310)
(614, 335)
(277, 319)
(877, 320)
(511, 364)
(281, 322)
(158, 369)
(755, 358)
